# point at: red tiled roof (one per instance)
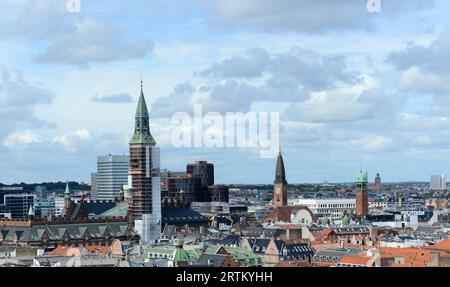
(442, 245)
(59, 251)
(358, 259)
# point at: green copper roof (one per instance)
(67, 191)
(180, 255)
(141, 111)
(345, 220)
(325, 221)
(31, 211)
(142, 133)
(361, 177)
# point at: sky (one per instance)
(353, 89)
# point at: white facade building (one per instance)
(112, 174)
(333, 208)
(437, 182)
(59, 206)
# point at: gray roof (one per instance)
(336, 254)
(61, 231)
(207, 259)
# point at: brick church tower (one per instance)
(144, 177)
(362, 194)
(280, 194)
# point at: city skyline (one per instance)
(380, 102)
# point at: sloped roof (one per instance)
(206, 259)
(443, 245)
(181, 215)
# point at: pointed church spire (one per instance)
(67, 191)
(141, 111)
(280, 174)
(31, 211)
(142, 133)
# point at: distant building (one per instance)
(219, 193)
(362, 194)
(202, 169)
(165, 174)
(280, 194)
(331, 208)
(59, 206)
(40, 191)
(94, 186)
(112, 174)
(377, 186)
(14, 202)
(437, 182)
(182, 191)
(44, 208)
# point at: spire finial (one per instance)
(141, 83)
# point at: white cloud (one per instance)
(72, 139)
(21, 139)
(414, 79)
(18, 101)
(93, 41)
(343, 104)
(413, 122)
(374, 143)
(309, 16)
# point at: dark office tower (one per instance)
(183, 190)
(202, 169)
(219, 192)
(280, 194)
(362, 194)
(144, 177)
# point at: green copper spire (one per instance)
(142, 133)
(31, 211)
(361, 177)
(67, 191)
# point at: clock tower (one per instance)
(280, 194)
(144, 177)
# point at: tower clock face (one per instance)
(277, 190)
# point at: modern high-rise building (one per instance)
(165, 175)
(182, 191)
(437, 182)
(18, 204)
(219, 192)
(362, 194)
(144, 177)
(15, 202)
(202, 169)
(280, 193)
(112, 174)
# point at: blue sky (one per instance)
(353, 88)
